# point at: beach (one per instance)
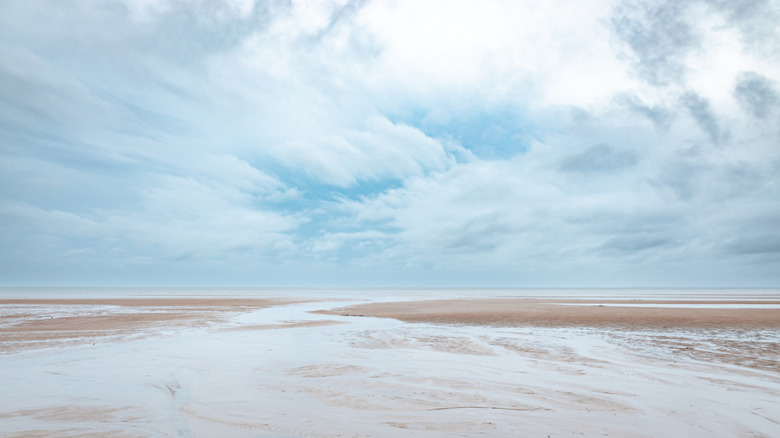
(385, 365)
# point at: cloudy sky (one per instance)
(589, 143)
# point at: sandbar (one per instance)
(36, 323)
(381, 366)
(514, 312)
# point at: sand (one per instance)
(203, 367)
(583, 312)
(36, 323)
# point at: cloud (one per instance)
(238, 175)
(705, 118)
(766, 244)
(658, 114)
(756, 94)
(38, 92)
(633, 244)
(381, 150)
(469, 55)
(756, 21)
(506, 215)
(519, 216)
(599, 158)
(659, 38)
(492, 142)
(180, 220)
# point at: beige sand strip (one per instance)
(550, 312)
(81, 321)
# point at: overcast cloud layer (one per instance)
(390, 143)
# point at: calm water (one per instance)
(384, 293)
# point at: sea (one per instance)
(392, 294)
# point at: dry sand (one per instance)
(194, 367)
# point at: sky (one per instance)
(495, 143)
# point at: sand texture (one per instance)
(590, 313)
(428, 368)
(36, 323)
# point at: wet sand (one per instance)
(583, 312)
(37, 323)
(202, 367)
(696, 332)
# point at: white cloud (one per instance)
(346, 156)
(558, 207)
(547, 53)
(345, 135)
(177, 217)
(240, 177)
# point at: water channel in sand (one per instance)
(271, 368)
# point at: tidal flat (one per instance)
(360, 365)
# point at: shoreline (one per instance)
(254, 367)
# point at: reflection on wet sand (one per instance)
(271, 368)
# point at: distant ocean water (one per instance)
(388, 293)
